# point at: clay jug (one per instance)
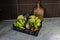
(39, 11)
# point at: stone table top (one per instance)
(50, 31)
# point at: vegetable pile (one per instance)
(20, 22)
(34, 21)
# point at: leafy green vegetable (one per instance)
(34, 21)
(20, 17)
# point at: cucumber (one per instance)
(20, 25)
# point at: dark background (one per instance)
(10, 9)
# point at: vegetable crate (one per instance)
(30, 25)
(28, 31)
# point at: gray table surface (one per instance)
(50, 31)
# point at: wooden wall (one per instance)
(52, 7)
(10, 9)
